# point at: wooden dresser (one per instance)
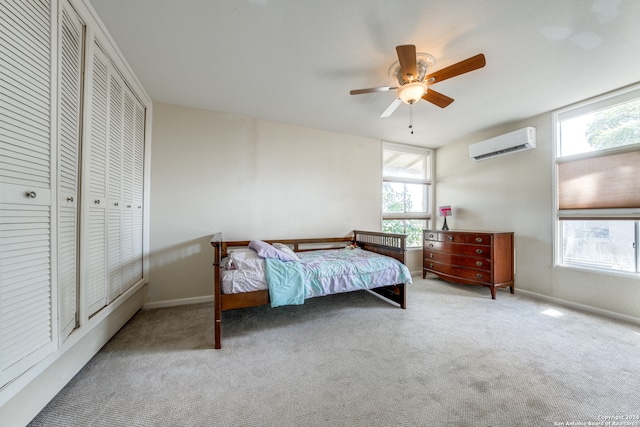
(481, 258)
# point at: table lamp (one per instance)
(445, 211)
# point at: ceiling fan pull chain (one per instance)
(411, 118)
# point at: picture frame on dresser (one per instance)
(482, 258)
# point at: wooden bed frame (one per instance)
(393, 245)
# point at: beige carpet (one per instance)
(453, 358)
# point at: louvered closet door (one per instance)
(114, 183)
(25, 185)
(71, 42)
(138, 191)
(128, 150)
(94, 240)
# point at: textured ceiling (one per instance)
(294, 61)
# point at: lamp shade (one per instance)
(410, 93)
(445, 211)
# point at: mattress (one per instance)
(327, 271)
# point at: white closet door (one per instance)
(128, 149)
(138, 191)
(71, 41)
(94, 264)
(25, 185)
(114, 183)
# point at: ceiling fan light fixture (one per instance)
(410, 93)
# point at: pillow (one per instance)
(265, 250)
(242, 259)
(287, 250)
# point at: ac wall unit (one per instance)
(512, 142)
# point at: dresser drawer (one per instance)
(459, 272)
(470, 238)
(473, 250)
(457, 260)
(431, 235)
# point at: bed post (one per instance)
(217, 291)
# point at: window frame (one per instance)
(425, 216)
(601, 102)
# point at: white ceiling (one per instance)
(294, 61)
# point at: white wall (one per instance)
(515, 193)
(248, 179)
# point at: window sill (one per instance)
(585, 269)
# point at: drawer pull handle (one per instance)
(97, 201)
(478, 239)
(70, 199)
(430, 265)
(479, 276)
(479, 251)
(450, 237)
(479, 263)
(430, 255)
(31, 194)
(430, 245)
(431, 236)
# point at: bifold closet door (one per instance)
(114, 170)
(71, 41)
(94, 206)
(114, 184)
(26, 62)
(138, 192)
(131, 248)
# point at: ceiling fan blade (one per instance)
(372, 90)
(407, 59)
(461, 67)
(437, 98)
(391, 108)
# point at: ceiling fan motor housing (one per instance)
(424, 63)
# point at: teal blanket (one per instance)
(286, 282)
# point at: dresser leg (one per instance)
(512, 289)
(493, 292)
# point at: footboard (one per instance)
(392, 245)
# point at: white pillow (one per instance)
(286, 249)
(243, 259)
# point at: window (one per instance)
(406, 191)
(597, 177)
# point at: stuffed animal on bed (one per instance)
(353, 245)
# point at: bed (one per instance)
(365, 260)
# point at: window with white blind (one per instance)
(406, 191)
(597, 178)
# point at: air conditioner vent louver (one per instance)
(519, 140)
(505, 151)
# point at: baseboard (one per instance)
(177, 302)
(33, 390)
(587, 308)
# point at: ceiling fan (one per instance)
(410, 71)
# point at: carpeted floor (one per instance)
(453, 358)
